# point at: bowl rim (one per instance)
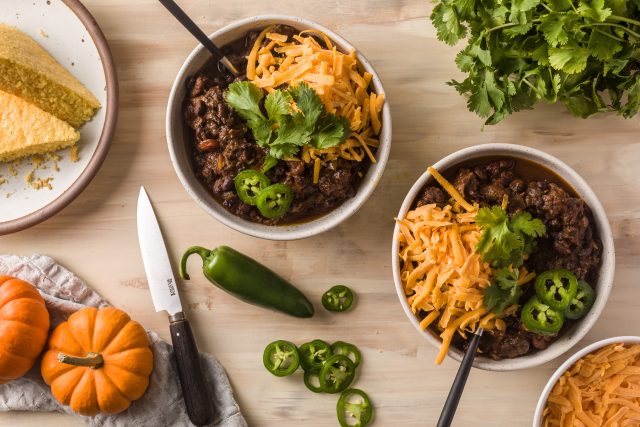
(542, 400)
(607, 265)
(290, 231)
(104, 141)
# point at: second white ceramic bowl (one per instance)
(605, 278)
(537, 418)
(182, 162)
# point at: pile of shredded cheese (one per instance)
(601, 389)
(277, 59)
(442, 274)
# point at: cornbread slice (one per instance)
(28, 71)
(26, 130)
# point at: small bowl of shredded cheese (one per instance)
(597, 386)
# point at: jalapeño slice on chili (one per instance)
(338, 298)
(540, 318)
(347, 349)
(249, 184)
(582, 302)
(312, 381)
(336, 374)
(556, 288)
(281, 358)
(313, 355)
(274, 201)
(354, 408)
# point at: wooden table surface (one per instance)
(96, 235)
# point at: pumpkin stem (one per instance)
(91, 360)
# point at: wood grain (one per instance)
(96, 236)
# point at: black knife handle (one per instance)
(194, 389)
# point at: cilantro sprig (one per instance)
(504, 243)
(280, 127)
(504, 291)
(583, 53)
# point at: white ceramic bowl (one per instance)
(537, 417)
(605, 279)
(182, 163)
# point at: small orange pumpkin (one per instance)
(24, 327)
(99, 360)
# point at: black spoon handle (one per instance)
(191, 26)
(450, 406)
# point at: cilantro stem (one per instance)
(623, 19)
(605, 24)
(611, 36)
(528, 83)
(572, 6)
(499, 27)
(546, 7)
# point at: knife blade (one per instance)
(164, 293)
(162, 283)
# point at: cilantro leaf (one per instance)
(523, 223)
(503, 292)
(594, 10)
(467, 58)
(269, 162)
(290, 132)
(602, 45)
(555, 27)
(517, 14)
(262, 132)
(570, 58)
(504, 241)
(486, 96)
(580, 105)
(245, 98)
(632, 106)
(278, 104)
(331, 132)
(449, 28)
(497, 242)
(308, 102)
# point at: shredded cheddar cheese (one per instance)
(310, 57)
(441, 273)
(601, 389)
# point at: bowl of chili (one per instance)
(280, 203)
(551, 305)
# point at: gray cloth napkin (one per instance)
(162, 404)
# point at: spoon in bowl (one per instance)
(191, 26)
(451, 404)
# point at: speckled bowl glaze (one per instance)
(537, 417)
(182, 163)
(605, 279)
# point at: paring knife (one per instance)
(164, 293)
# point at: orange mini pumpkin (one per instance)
(24, 327)
(98, 361)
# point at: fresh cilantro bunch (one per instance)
(504, 243)
(583, 53)
(276, 125)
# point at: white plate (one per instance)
(69, 33)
